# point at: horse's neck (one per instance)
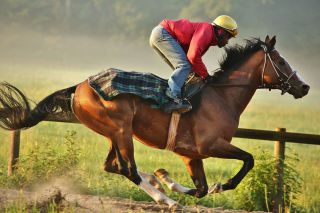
(249, 77)
(237, 98)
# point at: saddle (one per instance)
(112, 82)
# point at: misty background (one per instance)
(87, 36)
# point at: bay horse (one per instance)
(204, 132)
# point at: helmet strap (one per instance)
(218, 36)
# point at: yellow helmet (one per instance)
(227, 23)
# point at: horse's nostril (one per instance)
(305, 88)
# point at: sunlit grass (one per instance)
(266, 111)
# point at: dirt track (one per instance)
(87, 203)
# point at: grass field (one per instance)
(267, 110)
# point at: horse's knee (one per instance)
(249, 161)
(248, 165)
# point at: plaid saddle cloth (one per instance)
(112, 82)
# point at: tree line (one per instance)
(134, 19)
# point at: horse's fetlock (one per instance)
(201, 192)
(230, 185)
(192, 192)
(198, 193)
(135, 179)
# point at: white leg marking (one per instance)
(176, 187)
(171, 184)
(152, 180)
(156, 195)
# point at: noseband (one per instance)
(284, 84)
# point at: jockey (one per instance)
(182, 43)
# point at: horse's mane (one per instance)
(236, 55)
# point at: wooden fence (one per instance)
(280, 136)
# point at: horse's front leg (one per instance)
(222, 148)
(195, 170)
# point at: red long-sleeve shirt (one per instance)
(195, 38)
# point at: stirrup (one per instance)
(182, 107)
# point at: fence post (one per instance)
(279, 154)
(14, 149)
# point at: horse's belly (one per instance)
(150, 128)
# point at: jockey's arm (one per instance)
(198, 46)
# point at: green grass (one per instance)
(266, 111)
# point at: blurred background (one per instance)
(92, 35)
(47, 45)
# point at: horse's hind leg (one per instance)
(121, 156)
(195, 170)
(123, 149)
(113, 119)
(111, 165)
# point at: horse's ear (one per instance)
(270, 42)
(273, 41)
(267, 40)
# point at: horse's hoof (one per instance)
(175, 207)
(216, 188)
(160, 173)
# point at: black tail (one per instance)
(15, 110)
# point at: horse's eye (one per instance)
(282, 62)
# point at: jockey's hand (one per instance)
(209, 79)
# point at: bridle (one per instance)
(284, 84)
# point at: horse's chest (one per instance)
(217, 125)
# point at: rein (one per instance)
(230, 85)
(284, 84)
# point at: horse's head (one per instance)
(277, 72)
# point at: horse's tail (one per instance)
(15, 110)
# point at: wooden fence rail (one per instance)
(280, 136)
